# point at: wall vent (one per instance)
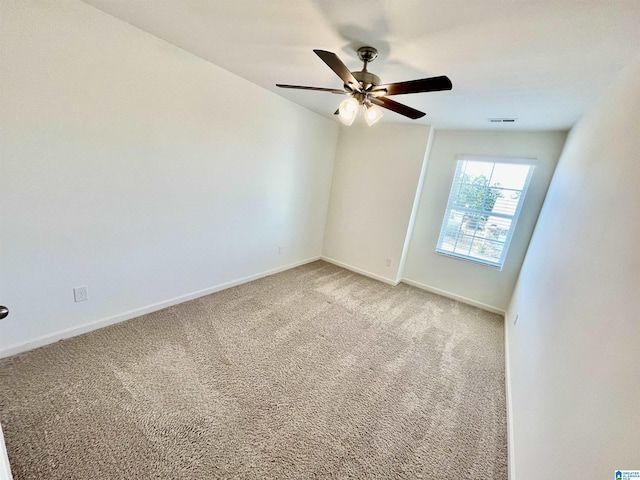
(502, 120)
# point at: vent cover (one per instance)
(502, 120)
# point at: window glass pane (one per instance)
(486, 250)
(474, 169)
(453, 225)
(507, 203)
(473, 223)
(497, 228)
(509, 175)
(463, 244)
(470, 196)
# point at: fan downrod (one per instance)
(366, 78)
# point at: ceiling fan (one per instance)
(364, 89)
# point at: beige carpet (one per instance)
(316, 372)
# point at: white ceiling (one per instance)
(543, 62)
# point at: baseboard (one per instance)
(507, 382)
(89, 327)
(453, 296)
(360, 271)
(5, 469)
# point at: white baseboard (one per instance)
(5, 469)
(507, 381)
(89, 327)
(361, 271)
(453, 296)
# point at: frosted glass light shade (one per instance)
(372, 114)
(348, 111)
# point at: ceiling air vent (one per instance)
(502, 120)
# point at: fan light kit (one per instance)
(365, 92)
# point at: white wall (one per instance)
(140, 171)
(375, 178)
(575, 352)
(457, 278)
(5, 469)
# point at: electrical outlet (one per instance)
(388, 262)
(516, 319)
(280, 250)
(80, 294)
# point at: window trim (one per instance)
(499, 265)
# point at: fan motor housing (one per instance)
(366, 78)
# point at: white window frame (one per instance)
(531, 162)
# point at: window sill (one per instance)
(470, 260)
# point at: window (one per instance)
(483, 208)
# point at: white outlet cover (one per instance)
(80, 294)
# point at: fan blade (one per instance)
(433, 84)
(398, 107)
(335, 64)
(320, 89)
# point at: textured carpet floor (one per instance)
(316, 372)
